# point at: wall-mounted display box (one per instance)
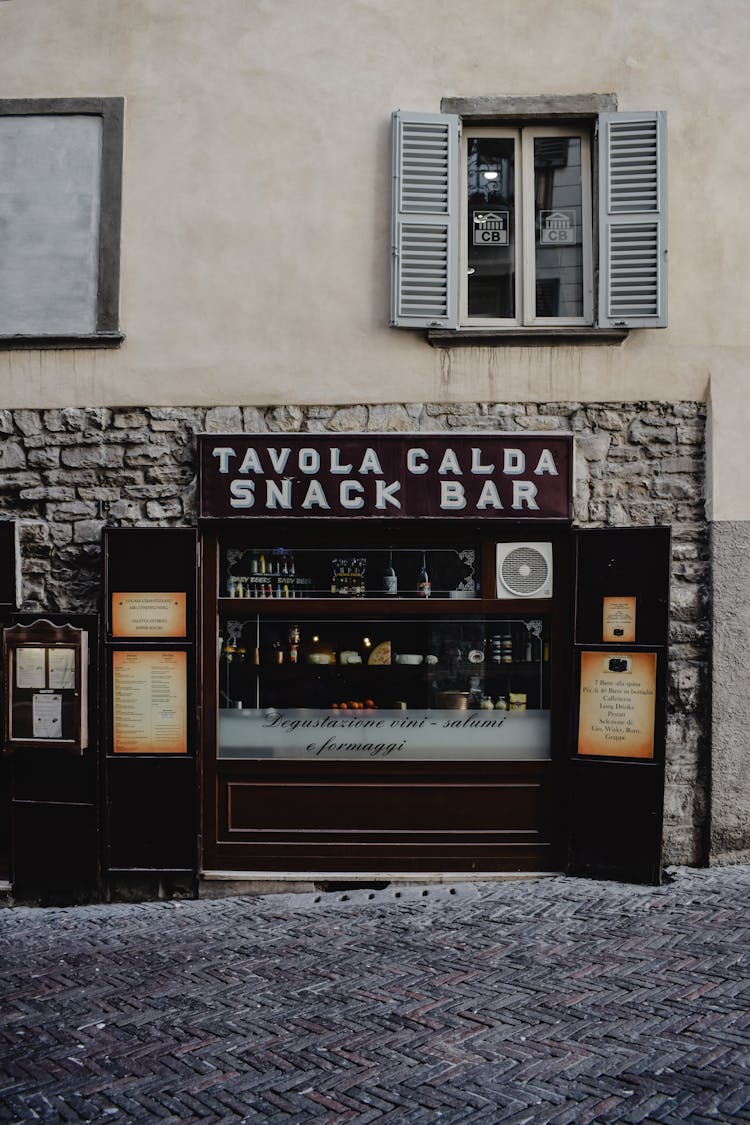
(46, 673)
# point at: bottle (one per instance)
(487, 704)
(390, 581)
(424, 586)
(262, 564)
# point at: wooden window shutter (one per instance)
(424, 228)
(633, 220)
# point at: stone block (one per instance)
(547, 423)
(125, 510)
(163, 510)
(130, 419)
(48, 457)
(593, 447)
(224, 420)
(642, 434)
(389, 419)
(75, 509)
(88, 531)
(146, 454)
(12, 456)
(254, 422)
(57, 492)
(6, 422)
(285, 419)
(33, 533)
(95, 456)
(349, 419)
(61, 534)
(28, 421)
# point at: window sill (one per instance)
(95, 340)
(523, 337)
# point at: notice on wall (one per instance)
(148, 615)
(617, 704)
(149, 702)
(618, 621)
(47, 715)
(31, 669)
(62, 668)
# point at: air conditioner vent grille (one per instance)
(524, 571)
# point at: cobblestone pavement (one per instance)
(552, 1000)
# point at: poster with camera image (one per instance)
(617, 704)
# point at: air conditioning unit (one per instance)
(524, 570)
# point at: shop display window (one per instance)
(351, 687)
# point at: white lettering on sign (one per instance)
(384, 494)
(416, 460)
(241, 492)
(452, 494)
(279, 495)
(514, 461)
(524, 493)
(494, 477)
(345, 493)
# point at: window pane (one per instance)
(378, 689)
(491, 234)
(558, 226)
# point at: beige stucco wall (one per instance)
(256, 189)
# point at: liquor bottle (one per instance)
(390, 581)
(424, 586)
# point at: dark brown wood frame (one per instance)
(458, 848)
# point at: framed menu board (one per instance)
(46, 672)
(617, 704)
(149, 701)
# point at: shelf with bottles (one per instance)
(284, 573)
(440, 662)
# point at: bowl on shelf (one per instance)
(321, 658)
(408, 658)
(453, 700)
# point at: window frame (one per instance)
(111, 110)
(523, 136)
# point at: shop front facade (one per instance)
(308, 321)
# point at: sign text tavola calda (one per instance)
(311, 479)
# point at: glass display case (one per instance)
(353, 687)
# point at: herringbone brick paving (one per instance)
(550, 1001)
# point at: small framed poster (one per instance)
(617, 704)
(618, 620)
(149, 702)
(147, 615)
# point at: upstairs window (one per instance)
(493, 226)
(60, 200)
(526, 251)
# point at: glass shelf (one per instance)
(287, 573)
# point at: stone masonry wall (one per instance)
(65, 473)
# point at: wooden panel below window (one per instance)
(388, 807)
(504, 819)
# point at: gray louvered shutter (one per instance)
(424, 227)
(633, 220)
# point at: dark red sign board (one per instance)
(386, 476)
